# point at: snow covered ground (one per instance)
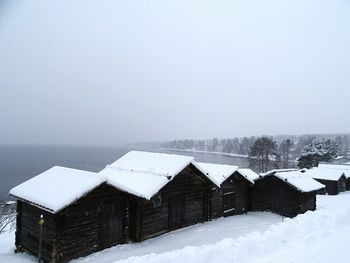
(320, 236)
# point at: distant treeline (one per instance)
(243, 145)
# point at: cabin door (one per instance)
(229, 202)
(111, 224)
(176, 211)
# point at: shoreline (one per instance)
(206, 152)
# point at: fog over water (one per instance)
(109, 72)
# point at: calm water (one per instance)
(20, 163)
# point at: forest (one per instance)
(271, 152)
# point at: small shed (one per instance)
(230, 197)
(81, 212)
(333, 179)
(170, 191)
(287, 193)
(345, 168)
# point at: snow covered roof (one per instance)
(324, 173)
(249, 174)
(141, 184)
(155, 163)
(278, 170)
(300, 181)
(341, 167)
(57, 187)
(218, 173)
(144, 173)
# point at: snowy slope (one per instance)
(320, 236)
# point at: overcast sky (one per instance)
(109, 72)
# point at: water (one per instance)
(20, 163)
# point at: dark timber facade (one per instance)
(273, 194)
(94, 222)
(231, 198)
(106, 216)
(182, 202)
(334, 187)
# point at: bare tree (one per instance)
(264, 151)
(7, 216)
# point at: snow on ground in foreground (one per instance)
(320, 236)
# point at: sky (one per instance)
(113, 72)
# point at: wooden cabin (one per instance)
(230, 196)
(170, 191)
(333, 179)
(285, 193)
(141, 195)
(345, 168)
(81, 213)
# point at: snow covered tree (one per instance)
(264, 151)
(318, 151)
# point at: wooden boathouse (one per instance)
(345, 168)
(334, 179)
(287, 193)
(230, 196)
(81, 214)
(169, 191)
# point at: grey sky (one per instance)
(107, 72)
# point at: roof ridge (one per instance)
(139, 171)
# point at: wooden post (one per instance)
(41, 223)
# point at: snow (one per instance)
(324, 173)
(206, 152)
(155, 163)
(144, 173)
(300, 181)
(218, 173)
(57, 187)
(321, 236)
(278, 170)
(249, 174)
(144, 185)
(341, 167)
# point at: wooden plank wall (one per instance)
(271, 194)
(154, 220)
(28, 230)
(79, 224)
(235, 184)
(331, 186)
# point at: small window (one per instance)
(157, 200)
(229, 201)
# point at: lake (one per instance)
(19, 163)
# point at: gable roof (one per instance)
(278, 170)
(139, 173)
(144, 173)
(249, 174)
(324, 173)
(57, 187)
(218, 173)
(341, 167)
(300, 181)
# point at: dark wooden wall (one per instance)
(28, 230)
(272, 194)
(342, 184)
(94, 222)
(184, 200)
(240, 187)
(333, 187)
(348, 184)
